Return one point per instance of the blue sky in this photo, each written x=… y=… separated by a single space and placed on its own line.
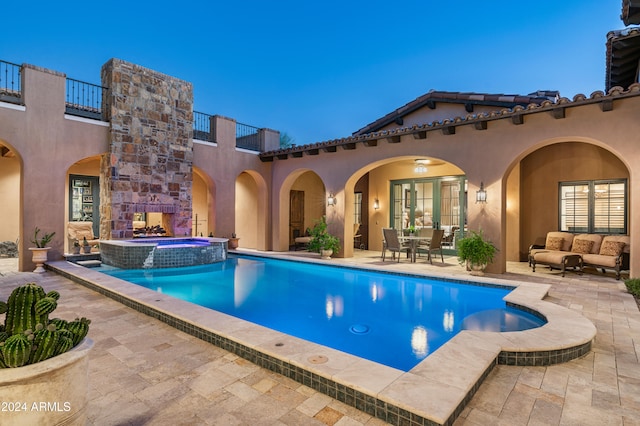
x=322 y=70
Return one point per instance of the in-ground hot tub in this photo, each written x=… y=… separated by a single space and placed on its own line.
x=163 y=252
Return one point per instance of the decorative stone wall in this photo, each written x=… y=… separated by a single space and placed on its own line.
x=150 y=164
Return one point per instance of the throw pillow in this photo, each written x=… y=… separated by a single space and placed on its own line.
x=554 y=243
x=582 y=246
x=612 y=248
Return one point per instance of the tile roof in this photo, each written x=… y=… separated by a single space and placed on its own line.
x=630 y=12
x=623 y=56
x=467 y=98
x=447 y=126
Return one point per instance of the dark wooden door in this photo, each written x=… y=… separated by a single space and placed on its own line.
x=296 y=213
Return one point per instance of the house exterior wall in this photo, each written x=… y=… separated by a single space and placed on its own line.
x=46 y=142
x=507 y=155
x=484 y=155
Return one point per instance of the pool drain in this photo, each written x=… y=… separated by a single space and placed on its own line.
x=359 y=329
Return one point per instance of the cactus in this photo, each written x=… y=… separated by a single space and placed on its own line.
x=21 y=313
x=64 y=344
x=79 y=327
x=44 y=344
x=60 y=323
x=28 y=336
x=16 y=350
x=54 y=294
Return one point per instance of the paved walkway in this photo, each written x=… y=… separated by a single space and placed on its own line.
x=143 y=372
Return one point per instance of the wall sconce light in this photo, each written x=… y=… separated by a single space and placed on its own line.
x=376 y=203
x=420 y=166
x=331 y=200
x=481 y=194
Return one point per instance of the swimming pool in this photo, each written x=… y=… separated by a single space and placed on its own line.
x=394 y=320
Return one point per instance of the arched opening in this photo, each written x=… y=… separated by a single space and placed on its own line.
x=203 y=202
x=83 y=202
x=251 y=210
x=537 y=189
x=10 y=217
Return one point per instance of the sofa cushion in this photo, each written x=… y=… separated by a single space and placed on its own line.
x=581 y=246
x=596 y=238
x=554 y=243
x=612 y=248
x=599 y=260
x=623 y=238
x=551 y=257
x=566 y=236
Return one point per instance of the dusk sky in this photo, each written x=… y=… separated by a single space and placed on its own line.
x=322 y=70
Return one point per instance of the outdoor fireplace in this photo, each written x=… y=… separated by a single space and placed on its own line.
x=148 y=173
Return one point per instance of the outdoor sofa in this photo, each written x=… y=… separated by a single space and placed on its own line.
x=563 y=250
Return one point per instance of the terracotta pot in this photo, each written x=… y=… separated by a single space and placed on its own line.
x=39 y=256
x=52 y=392
x=233 y=243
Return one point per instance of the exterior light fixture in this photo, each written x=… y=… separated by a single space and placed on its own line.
x=481 y=194
x=420 y=166
x=376 y=203
x=331 y=200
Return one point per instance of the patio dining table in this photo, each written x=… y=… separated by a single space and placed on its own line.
x=414 y=242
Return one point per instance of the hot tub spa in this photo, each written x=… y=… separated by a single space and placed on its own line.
x=163 y=252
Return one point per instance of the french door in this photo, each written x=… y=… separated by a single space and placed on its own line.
x=430 y=203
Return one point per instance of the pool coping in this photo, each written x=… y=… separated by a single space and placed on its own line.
x=432 y=393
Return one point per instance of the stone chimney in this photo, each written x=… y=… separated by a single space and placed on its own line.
x=149 y=166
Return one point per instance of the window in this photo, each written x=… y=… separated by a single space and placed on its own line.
x=597 y=206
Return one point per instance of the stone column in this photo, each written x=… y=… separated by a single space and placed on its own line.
x=150 y=165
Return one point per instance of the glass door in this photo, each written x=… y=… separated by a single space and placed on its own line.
x=427 y=204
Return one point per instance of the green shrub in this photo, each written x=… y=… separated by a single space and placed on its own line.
x=633 y=286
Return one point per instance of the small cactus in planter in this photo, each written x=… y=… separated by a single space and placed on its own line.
x=28 y=335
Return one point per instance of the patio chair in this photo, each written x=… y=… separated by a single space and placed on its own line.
x=357 y=237
x=392 y=243
x=435 y=245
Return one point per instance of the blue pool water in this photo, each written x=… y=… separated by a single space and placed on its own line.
x=394 y=320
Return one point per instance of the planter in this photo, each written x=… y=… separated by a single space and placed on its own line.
x=39 y=256
x=476 y=270
x=326 y=254
x=86 y=249
x=51 y=392
x=233 y=243
x=76 y=249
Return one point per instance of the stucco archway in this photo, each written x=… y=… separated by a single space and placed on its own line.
x=251 y=207
x=10 y=192
x=531 y=186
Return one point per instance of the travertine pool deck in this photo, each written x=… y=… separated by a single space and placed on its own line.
x=511 y=395
x=434 y=392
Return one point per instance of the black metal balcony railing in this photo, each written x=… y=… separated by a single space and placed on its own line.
x=247 y=137
x=202 y=126
x=10 y=82
x=84 y=99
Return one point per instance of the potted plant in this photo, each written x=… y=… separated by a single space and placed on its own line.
x=321 y=241
x=76 y=247
x=86 y=248
x=40 y=355
x=475 y=252
x=233 y=241
x=39 y=252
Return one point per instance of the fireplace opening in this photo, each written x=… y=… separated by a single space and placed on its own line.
x=153 y=224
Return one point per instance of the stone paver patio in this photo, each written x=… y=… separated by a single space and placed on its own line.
x=143 y=371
